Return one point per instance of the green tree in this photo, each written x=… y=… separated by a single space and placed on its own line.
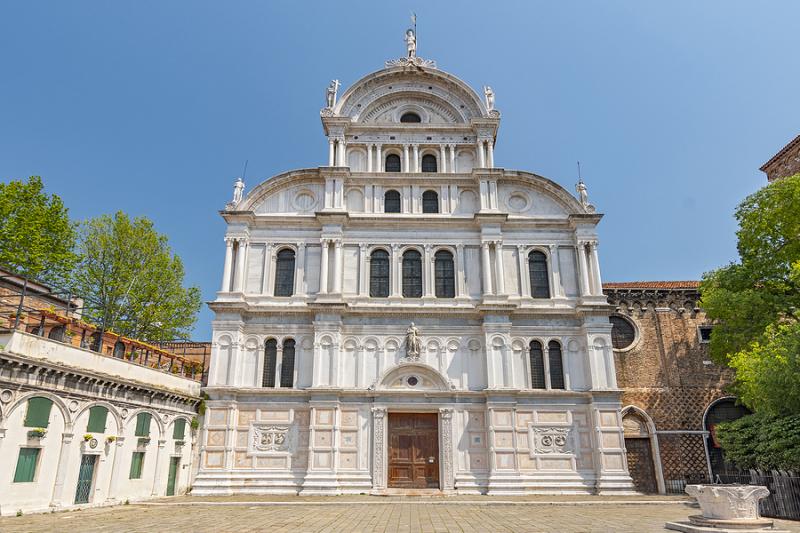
x=37 y=238
x=755 y=301
x=132 y=282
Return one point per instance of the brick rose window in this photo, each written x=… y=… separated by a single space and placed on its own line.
x=623 y=333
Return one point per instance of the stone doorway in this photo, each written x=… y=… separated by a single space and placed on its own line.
x=413 y=450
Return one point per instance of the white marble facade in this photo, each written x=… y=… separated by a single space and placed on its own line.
x=317 y=422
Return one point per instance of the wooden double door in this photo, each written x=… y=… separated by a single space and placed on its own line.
x=413 y=450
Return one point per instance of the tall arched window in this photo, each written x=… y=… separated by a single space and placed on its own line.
x=379 y=274
x=119 y=350
x=284 y=273
x=392 y=163
x=537 y=365
x=270 y=361
x=410 y=117
x=429 y=163
x=412 y=274
x=391 y=202
x=556 y=365
x=430 y=202
x=537 y=268
x=287 y=363
x=445 y=274
x=57 y=333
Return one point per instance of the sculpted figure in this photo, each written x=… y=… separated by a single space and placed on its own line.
x=580 y=187
x=330 y=94
x=413 y=342
x=489 y=97
x=238 y=188
x=411 y=43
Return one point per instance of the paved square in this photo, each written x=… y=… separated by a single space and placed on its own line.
x=368 y=514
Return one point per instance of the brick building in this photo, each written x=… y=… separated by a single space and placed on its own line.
x=785 y=163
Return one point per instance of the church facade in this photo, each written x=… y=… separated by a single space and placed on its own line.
x=412 y=315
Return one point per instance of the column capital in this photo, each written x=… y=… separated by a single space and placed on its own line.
x=338 y=243
x=378 y=412
x=363 y=246
x=446 y=413
x=395 y=247
x=229 y=241
x=428 y=248
x=485 y=244
x=300 y=245
x=521 y=247
x=459 y=246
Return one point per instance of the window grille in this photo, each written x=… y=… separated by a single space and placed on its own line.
x=430 y=202
x=284 y=273
x=391 y=202
x=287 y=363
x=429 y=163
x=537 y=365
x=270 y=361
x=556 y=365
x=392 y=163
x=540 y=282
x=379 y=274
x=445 y=274
x=412 y=274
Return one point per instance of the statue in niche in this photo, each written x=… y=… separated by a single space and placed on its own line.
x=411 y=43
x=330 y=94
x=413 y=342
x=583 y=194
x=489 y=93
x=238 y=189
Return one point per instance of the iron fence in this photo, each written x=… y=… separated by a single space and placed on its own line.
x=784 y=490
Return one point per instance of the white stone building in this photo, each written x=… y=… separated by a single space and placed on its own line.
x=411 y=315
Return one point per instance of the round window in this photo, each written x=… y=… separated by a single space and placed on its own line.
x=412 y=381
x=623 y=332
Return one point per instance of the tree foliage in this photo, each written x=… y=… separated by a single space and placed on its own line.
x=36 y=236
x=760 y=441
x=132 y=282
x=755 y=301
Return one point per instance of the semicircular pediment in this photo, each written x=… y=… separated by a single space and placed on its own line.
x=413 y=376
x=389 y=109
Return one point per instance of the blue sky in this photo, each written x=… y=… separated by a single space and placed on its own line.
x=152 y=107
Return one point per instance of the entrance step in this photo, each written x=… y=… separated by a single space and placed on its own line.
x=412 y=492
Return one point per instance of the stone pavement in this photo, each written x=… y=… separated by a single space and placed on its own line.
x=474 y=514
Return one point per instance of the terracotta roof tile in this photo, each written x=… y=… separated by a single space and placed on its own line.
x=652 y=285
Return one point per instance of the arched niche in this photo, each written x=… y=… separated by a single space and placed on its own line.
x=413 y=376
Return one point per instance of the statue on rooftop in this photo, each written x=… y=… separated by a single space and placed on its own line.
x=330 y=94
x=489 y=93
x=238 y=189
x=583 y=194
x=411 y=43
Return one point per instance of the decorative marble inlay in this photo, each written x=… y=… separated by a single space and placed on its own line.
x=551 y=440
x=269 y=438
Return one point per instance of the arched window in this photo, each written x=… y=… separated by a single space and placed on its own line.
x=392 y=163
x=537 y=268
x=94 y=342
x=412 y=274
x=287 y=363
x=119 y=350
x=97 y=419
x=379 y=274
x=57 y=333
x=410 y=117
x=445 y=274
x=429 y=163
x=724 y=410
x=537 y=365
x=270 y=361
x=284 y=273
x=556 y=365
x=391 y=202
x=430 y=202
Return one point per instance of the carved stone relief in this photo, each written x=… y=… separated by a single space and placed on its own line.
x=551 y=440
x=266 y=438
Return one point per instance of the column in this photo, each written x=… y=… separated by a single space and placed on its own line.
x=61 y=468
x=446 y=447
x=524 y=275
x=595 y=265
x=452 y=168
x=116 y=468
x=323 y=267
x=427 y=271
x=379 y=159
x=405 y=158
x=583 y=268
x=268 y=283
x=481 y=156
x=442 y=159
x=555 y=269
x=238 y=285
x=546 y=358
x=379 y=466
x=331 y=152
x=278 y=365
x=490 y=153
x=394 y=278
x=498 y=267
x=159 y=468
x=341 y=153
x=460 y=279
x=486 y=269
x=363 y=261
x=300 y=270
x=226 y=271
x=416 y=159
x=369 y=157
x=337 y=267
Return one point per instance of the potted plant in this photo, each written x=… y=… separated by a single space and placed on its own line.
x=111 y=438
x=37 y=433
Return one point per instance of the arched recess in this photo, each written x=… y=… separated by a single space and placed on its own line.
x=112 y=411
x=642 y=451
x=57 y=402
x=130 y=421
x=413 y=376
x=720 y=410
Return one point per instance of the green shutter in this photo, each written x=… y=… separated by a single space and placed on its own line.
x=137 y=461
x=38 y=415
x=180 y=429
x=26 y=465
x=97 y=419
x=143 y=425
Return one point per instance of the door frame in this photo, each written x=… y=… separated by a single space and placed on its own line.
x=380 y=444
x=177 y=473
x=92 y=487
x=652 y=435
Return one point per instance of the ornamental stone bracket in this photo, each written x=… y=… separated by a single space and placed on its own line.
x=550 y=440
x=268 y=438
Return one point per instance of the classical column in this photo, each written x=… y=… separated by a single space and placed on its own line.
x=394 y=277
x=442 y=159
x=555 y=270
x=379 y=159
x=369 y=157
x=379 y=466
x=498 y=267
x=595 y=262
x=278 y=364
x=486 y=269
x=267 y=284
x=300 y=269
x=405 y=158
x=331 y=152
x=546 y=360
x=116 y=468
x=452 y=167
x=524 y=275
x=481 y=156
x=157 y=473
x=490 y=153
x=446 y=433
x=363 y=260
x=460 y=280
x=226 y=271
x=584 y=269
x=416 y=159
x=323 y=267
x=337 y=267
x=238 y=285
x=341 y=153
x=61 y=468
x=427 y=270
